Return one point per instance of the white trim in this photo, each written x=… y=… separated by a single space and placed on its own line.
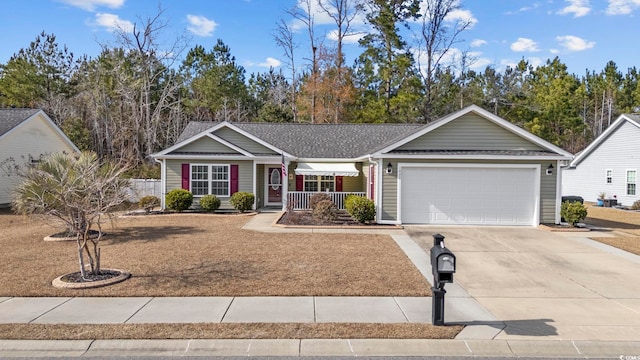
x=215 y=157
x=536 y=192
x=626 y=182
x=601 y=138
x=256 y=139
x=559 y=171
x=163 y=178
x=209 y=178
x=474 y=157
x=487 y=115
x=266 y=185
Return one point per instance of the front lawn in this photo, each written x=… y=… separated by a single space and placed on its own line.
x=209 y=255
x=624 y=224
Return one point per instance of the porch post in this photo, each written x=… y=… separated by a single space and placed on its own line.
x=285 y=186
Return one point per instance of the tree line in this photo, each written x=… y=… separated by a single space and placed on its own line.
x=135 y=97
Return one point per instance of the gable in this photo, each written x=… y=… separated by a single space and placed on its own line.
x=470 y=132
x=205 y=145
x=35 y=136
x=242 y=141
x=617 y=148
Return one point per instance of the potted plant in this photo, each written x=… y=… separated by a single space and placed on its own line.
x=601 y=197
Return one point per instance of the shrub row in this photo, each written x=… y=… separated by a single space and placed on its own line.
x=181 y=199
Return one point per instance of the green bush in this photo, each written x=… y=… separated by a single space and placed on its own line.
x=316 y=198
x=242 y=201
x=210 y=203
x=325 y=210
x=573 y=212
x=360 y=208
x=636 y=205
x=149 y=202
x=179 y=199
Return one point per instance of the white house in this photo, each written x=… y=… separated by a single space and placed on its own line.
x=25 y=135
x=609 y=165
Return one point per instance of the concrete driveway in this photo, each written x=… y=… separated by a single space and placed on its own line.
x=545 y=285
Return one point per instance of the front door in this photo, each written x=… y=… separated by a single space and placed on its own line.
x=274 y=185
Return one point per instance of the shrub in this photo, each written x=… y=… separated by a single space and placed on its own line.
x=149 y=202
x=325 y=210
x=179 y=199
x=242 y=201
x=360 y=208
x=573 y=212
x=317 y=198
x=636 y=205
x=210 y=203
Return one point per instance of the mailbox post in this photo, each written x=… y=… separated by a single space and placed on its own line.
x=443 y=266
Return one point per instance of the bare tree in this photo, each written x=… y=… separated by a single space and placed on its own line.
x=343 y=12
x=437 y=40
x=284 y=39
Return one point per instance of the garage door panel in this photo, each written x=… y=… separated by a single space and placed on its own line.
x=471 y=195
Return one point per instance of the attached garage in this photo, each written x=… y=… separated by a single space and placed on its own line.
x=469 y=194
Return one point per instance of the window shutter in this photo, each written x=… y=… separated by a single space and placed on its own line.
x=185 y=176
x=339 y=183
x=234 y=179
x=299 y=182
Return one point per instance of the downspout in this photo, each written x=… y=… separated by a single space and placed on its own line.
x=163 y=183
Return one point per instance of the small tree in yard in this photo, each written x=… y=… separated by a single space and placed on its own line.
x=573 y=212
x=78 y=190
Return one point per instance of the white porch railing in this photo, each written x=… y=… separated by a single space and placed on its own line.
x=299 y=200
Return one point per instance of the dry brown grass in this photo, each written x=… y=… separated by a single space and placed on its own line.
x=624 y=224
x=228 y=331
x=209 y=255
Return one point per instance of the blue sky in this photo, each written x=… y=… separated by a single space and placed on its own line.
x=584 y=34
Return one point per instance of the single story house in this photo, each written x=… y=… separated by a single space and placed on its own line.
x=26 y=135
x=470 y=167
x=609 y=165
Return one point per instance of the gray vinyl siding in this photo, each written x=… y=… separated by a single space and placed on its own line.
x=242 y=141
x=618 y=152
x=470 y=132
x=206 y=145
x=389 y=209
x=245 y=175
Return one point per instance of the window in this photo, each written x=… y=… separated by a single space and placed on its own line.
x=319 y=183
x=609 y=176
x=210 y=179
x=631 y=182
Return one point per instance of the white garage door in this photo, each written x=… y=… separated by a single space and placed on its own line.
x=468 y=195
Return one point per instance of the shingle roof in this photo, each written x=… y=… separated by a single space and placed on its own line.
x=319 y=141
x=10 y=118
x=476 y=152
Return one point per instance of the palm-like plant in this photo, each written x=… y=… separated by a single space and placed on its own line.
x=78 y=190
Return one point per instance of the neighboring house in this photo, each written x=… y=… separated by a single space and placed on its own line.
x=470 y=167
x=610 y=164
x=26 y=135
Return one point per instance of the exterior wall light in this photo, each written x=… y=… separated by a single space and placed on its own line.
x=389 y=168
x=550 y=169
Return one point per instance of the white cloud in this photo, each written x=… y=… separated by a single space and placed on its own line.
x=91 y=5
x=574 y=43
x=200 y=25
x=478 y=43
x=462 y=15
x=622 y=7
x=524 y=45
x=578 y=8
x=270 y=62
x=111 y=22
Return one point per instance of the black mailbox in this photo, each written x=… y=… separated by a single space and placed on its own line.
x=443 y=263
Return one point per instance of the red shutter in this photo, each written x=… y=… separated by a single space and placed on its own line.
x=234 y=179
x=339 y=183
x=299 y=182
x=185 y=176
